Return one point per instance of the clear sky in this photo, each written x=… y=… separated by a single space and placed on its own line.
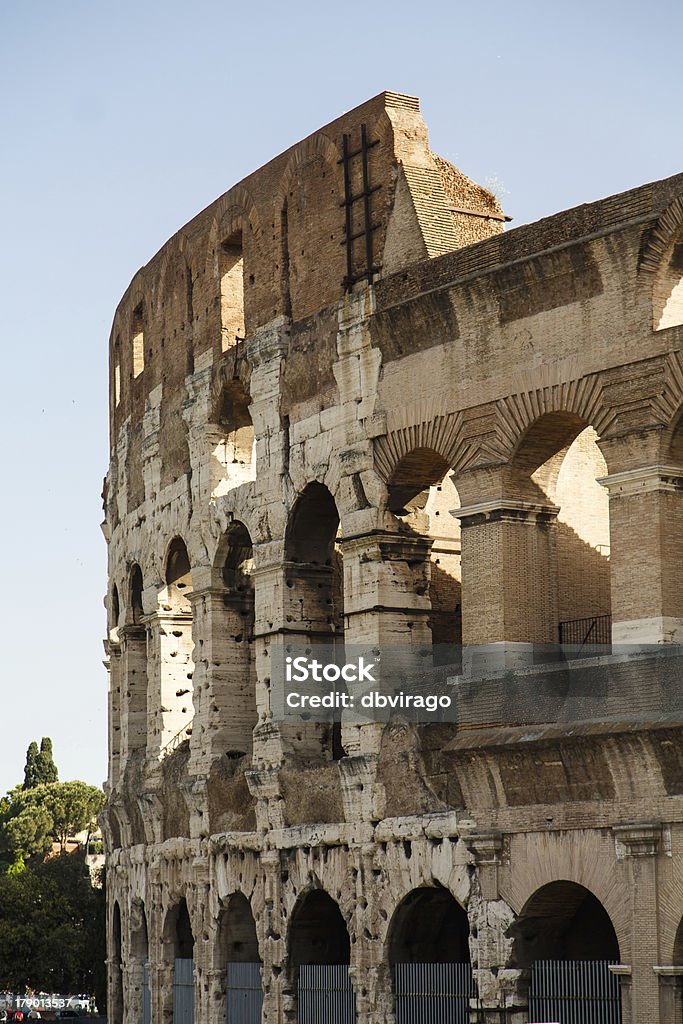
x=120 y=120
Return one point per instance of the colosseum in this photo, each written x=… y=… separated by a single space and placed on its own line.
x=348 y=408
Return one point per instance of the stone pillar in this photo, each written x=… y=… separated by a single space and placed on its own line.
x=623 y=973
x=133 y=988
x=509 y=572
x=114 y=989
x=386 y=603
x=637 y=846
x=134 y=689
x=224 y=692
x=113 y=665
x=646 y=541
x=170 y=672
x=670 y=994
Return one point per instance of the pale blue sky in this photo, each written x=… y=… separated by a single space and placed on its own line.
x=119 y=121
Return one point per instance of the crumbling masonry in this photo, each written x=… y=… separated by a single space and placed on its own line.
x=346 y=406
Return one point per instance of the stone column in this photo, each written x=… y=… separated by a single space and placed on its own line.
x=224 y=692
x=646 y=540
x=134 y=689
x=386 y=603
x=509 y=575
x=133 y=981
x=113 y=665
x=170 y=672
x=637 y=846
x=670 y=994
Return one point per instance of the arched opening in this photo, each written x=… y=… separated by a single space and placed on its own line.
x=134 y=667
x=177 y=645
x=136 y=588
x=429 y=958
x=179 y=943
x=231 y=274
x=234 y=663
x=667 y=295
x=139 y=949
x=234 y=457
x=238 y=956
x=138 y=339
x=422 y=497
x=554 y=530
x=116 y=972
x=314 y=598
x=115 y=608
x=319 y=957
x=565 y=936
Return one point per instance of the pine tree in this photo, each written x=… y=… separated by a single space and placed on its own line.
x=46 y=769
x=31 y=766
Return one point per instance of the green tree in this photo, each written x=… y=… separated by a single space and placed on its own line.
x=74 y=807
x=46 y=769
x=31 y=819
x=31 y=768
x=51 y=927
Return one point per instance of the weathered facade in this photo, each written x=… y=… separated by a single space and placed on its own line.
x=345 y=406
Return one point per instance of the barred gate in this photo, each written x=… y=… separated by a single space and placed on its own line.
x=325 y=994
x=433 y=993
x=146 y=996
x=183 y=991
x=574 y=992
x=244 y=1002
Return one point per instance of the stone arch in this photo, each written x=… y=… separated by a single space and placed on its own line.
x=661 y=267
x=232 y=435
x=428 y=926
x=236 y=938
x=440 y=435
x=422 y=497
x=136 y=588
x=563 y=920
x=314 y=595
x=317 y=932
x=114 y=607
x=176 y=646
x=232 y=638
x=177 y=934
x=134 y=667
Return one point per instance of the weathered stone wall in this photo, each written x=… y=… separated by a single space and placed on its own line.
x=476 y=437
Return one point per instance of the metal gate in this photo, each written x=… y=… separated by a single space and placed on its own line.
x=326 y=994
x=244 y=988
x=146 y=996
x=183 y=991
x=574 y=992
x=433 y=993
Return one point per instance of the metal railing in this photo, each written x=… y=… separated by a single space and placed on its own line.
x=325 y=995
x=574 y=992
x=580 y=633
x=433 y=993
x=244 y=993
x=183 y=991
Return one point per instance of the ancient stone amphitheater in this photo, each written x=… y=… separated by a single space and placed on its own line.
x=348 y=408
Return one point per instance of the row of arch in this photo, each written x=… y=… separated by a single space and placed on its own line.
x=556 y=468
x=562 y=921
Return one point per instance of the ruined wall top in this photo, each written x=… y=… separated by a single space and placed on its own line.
x=305 y=227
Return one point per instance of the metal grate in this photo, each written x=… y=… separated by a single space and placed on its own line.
x=433 y=993
x=183 y=991
x=368 y=268
x=596 y=629
x=325 y=994
x=574 y=992
x=244 y=1002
